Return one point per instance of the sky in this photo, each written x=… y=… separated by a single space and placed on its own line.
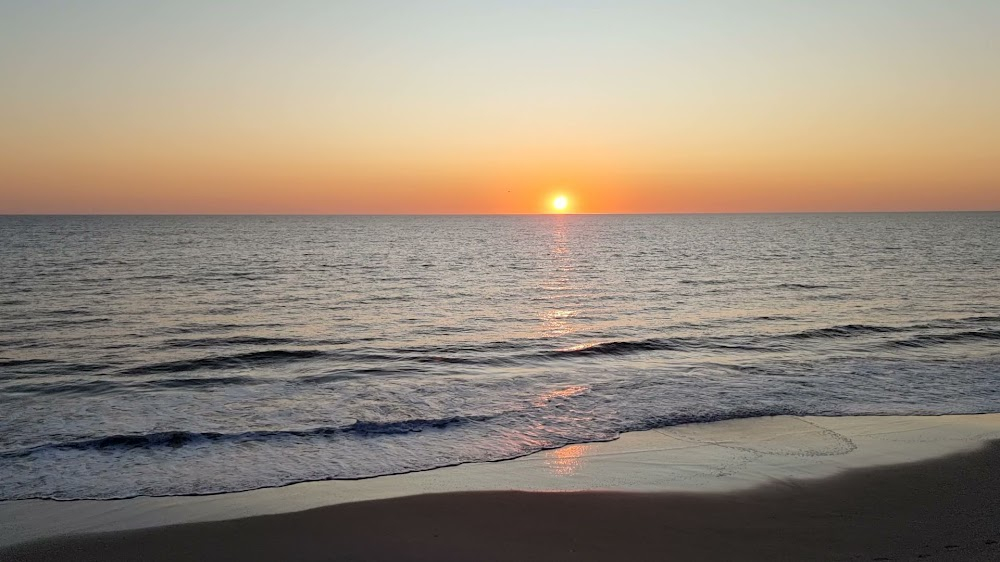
x=499 y=106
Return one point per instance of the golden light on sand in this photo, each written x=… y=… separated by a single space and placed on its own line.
x=564 y=461
x=560 y=203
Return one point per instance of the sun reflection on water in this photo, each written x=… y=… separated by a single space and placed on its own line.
x=561 y=393
x=556 y=322
x=558 y=287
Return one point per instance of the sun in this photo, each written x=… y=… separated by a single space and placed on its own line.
x=560 y=203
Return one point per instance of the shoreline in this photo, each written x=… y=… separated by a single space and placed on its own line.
x=941 y=509
x=728 y=457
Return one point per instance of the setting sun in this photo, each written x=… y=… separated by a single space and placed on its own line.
x=560 y=203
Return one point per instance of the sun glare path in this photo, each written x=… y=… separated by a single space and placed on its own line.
x=560 y=203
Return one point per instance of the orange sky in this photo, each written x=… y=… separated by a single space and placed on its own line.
x=495 y=107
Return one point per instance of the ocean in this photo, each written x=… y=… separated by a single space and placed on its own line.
x=169 y=355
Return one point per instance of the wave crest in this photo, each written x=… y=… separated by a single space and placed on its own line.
x=179 y=438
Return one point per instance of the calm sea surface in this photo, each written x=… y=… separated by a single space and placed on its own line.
x=188 y=355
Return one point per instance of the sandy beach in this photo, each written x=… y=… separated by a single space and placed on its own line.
x=857 y=488
x=942 y=509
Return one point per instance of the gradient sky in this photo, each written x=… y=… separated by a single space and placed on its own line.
x=492 y=106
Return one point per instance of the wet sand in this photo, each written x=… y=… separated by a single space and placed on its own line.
x=940 y=509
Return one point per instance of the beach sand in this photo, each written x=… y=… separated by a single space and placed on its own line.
x=941 y=509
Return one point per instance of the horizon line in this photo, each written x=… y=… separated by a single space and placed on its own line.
x=877 y=212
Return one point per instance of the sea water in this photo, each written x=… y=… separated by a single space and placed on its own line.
x=162 y=355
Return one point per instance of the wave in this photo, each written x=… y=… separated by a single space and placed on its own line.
x=29 y=369
x=209 y=328
x=618 y=348
x=844 y=331
x=234 y=340
x=801 y=286
x=67 y=311
x=652 y=344
x=80 y=387
x=25 y=362
x=348 y=374
x=709 y=417
x=762 y=342
x=927 y=340
x=707 y=281
x=251 y=359
x=971 y=322
x=199 y=382
x=982 y=319
x=180 y=438
x=74 y=321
